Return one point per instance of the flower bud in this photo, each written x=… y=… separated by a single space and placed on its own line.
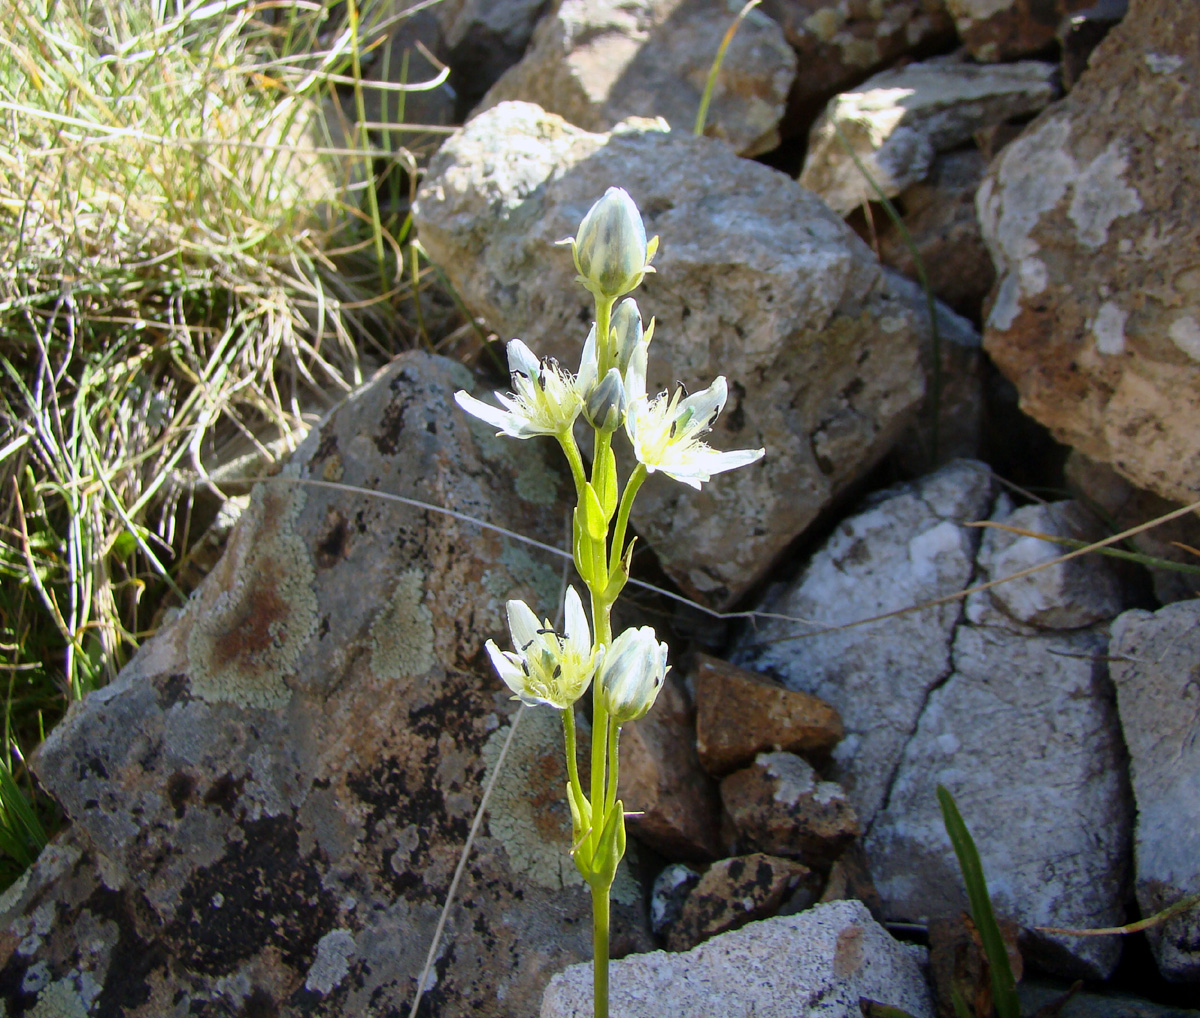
x=611 y=254
x=605 y=407
x=627 y=331
x=632 y=673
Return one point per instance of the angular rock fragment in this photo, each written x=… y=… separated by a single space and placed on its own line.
x=1156 y=669
x=898 y=121
x=484 y=38
x=733 y=892
x=779 y=805
x=661 y=779
x=817 y=964
x=1003 y=29
x=595 y=64
x=756 y=280
x=268 y=804
x=907 y=548
x=1093 y=220
x=740 y=713
x=670 y=891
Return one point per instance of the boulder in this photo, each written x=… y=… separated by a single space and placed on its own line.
x=756 y=280
x=907 y=548
x=268 y=804
x=483 y=39
x=1003 y=29
x=1156 y=668
x=817 y=964
x=595 y=64
x=898 y=121
x=1092 y=219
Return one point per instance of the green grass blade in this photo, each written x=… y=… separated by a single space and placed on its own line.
x=1004 y=994
x=710 y=84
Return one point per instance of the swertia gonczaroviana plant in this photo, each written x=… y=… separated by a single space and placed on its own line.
x=612 y=257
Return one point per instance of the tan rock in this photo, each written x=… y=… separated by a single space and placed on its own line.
x=661 y=778
x=732 y=893
x=1004 y=29
x=597 y=63
x=1093 y=220
x=740 y=713
x=780 y=806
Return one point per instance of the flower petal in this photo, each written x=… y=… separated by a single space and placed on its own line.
x=522 y=624
x=578 y=633
x=522 y=360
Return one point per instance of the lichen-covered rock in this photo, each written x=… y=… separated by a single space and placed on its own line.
x=1024 y=735
x=1004 y=29
x=678 y=811
x=898 y=121
x=733 y=892
x=740 y=713
x=268 y=804
x=595 y=64
x=907 y=548
x=817 y=964
x=1093 y=220
x=838 y=43
x=756 y=280
x=780 y=805
x=1156 y=668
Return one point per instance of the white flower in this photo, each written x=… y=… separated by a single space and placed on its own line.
x=545 y=399
x=610 y=249
x=546 y=668
x=632 y=673
x=665 y=431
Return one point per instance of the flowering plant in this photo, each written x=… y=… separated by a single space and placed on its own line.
x=666 y=433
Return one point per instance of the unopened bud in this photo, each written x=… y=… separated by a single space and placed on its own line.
x=627 y=331
x=605 y=407
x=610 y=248
x=632 y=673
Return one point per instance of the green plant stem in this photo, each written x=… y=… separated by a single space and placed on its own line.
x=600 y=920
x=618 y=541
x=569 y=741
x=571 y=451
x=613 y=738
x=604 y=357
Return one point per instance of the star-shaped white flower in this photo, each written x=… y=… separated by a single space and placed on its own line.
x=547 y=668
x=666 y=431
x=545 y=399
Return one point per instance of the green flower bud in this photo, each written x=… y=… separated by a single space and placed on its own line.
x=605 y=406
x=610 y=249
x=631 y=674
x=627 y=331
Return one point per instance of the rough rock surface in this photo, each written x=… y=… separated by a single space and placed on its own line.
x=756 y=280
x=484 y=38
x=1093 y=220
x=780 y=805
x=816 y=964
x=940 y=217
x=740 y=713
x=838 y=43
x=732 y=893
x=1156 y=669
x=1070 y=595
x=907 y=548
x=595 y=64
x=898 y=121
x=1024 y=734
x=268 y=804
x=661 y=778
x=1004 y=29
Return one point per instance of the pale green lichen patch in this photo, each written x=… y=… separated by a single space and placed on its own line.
x=534 y=481
x=246 y=641
x=58 y=1000
x=522 y=569
x=402 y=633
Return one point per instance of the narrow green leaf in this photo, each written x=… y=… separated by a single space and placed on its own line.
x=582 y=555
x=604 y=475
x=593 y=514
x=1003 y=985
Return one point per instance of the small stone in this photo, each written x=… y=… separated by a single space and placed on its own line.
x=1003 y=29
x=817 y=964
x=1156 y=668
x=732 y=893
x=780 y=806
x=667 y=895
x=740 y=713
x=661 y=779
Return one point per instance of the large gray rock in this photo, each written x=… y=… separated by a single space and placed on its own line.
x=1156 y=669
x=1093 y=220
x=756 y=280
x=597 y=63
x=1024 y=735
x=909 y=547
x=898 y=121
x=268 y=804
x=816 y=964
